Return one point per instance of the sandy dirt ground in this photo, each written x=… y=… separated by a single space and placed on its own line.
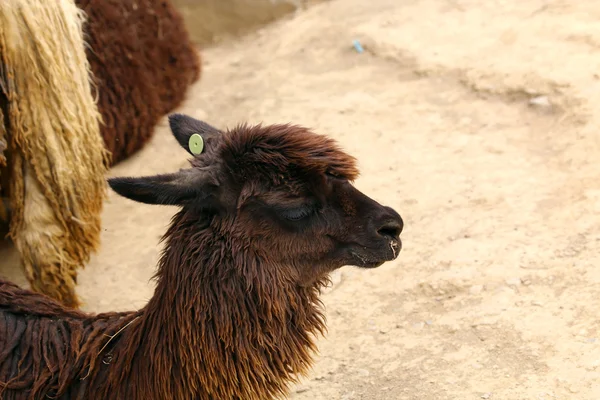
x=211 y=21
x=478 y=121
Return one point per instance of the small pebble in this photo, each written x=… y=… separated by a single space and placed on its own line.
x=540 y=101
x=573 y=389
x=418 y=325
x=476 y=289
x=348 y=396
x=513 y=281
x=531 y=91
x=486 y=395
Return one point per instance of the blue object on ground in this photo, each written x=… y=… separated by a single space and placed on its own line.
x=357 y=46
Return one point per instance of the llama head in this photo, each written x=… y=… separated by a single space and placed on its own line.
x=282 y=190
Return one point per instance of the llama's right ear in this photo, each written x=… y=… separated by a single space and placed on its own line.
x=183 y=127
x=183 y=187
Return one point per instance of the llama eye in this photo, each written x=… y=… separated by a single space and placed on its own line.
x=335 y=176
x=295 y=214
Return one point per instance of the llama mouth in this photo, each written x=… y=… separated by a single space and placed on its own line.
x=396 y=247
x=376 y=258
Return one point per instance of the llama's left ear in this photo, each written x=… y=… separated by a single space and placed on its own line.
x=179 y=188
x=185 y=128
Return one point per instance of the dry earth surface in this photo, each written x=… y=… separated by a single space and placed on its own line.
x=211 y=21
x=478 y=121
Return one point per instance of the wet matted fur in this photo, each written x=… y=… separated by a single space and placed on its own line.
x=57 y=158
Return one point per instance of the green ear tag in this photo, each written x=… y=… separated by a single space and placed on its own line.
x=196 y=144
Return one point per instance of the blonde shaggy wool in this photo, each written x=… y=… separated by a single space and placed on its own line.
x=56 y=156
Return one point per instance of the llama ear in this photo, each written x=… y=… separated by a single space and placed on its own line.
x=179 y=188
x=185 y=128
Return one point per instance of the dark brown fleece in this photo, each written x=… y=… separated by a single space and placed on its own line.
x=143 y=63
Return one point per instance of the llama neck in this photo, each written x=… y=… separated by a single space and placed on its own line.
x=226 y=323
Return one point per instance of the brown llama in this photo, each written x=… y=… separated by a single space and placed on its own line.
x=265 y=214
x=142 y=62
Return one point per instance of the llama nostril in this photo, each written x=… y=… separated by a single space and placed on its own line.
x=390 y=229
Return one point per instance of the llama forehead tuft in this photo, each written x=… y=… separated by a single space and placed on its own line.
x=285 y=147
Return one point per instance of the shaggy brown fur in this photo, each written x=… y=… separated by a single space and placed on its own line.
x=266 y=213
x=57 y=159
x=143 y=63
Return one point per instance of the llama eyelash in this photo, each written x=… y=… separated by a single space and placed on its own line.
x=296 y=214
x=334 y=175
